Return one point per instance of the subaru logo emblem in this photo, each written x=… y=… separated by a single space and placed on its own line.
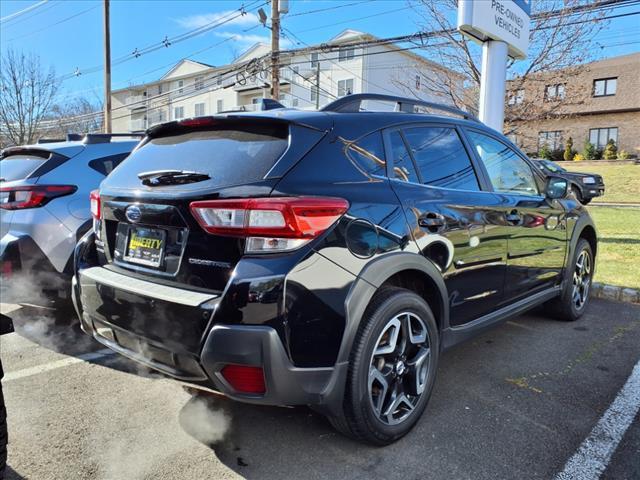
x=133 y=213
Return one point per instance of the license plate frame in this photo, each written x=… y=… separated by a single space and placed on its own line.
x=145 y=255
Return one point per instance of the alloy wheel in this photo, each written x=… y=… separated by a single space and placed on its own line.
x=581 y=280
x=398 y=368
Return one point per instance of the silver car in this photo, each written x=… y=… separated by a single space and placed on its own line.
x=45 y=209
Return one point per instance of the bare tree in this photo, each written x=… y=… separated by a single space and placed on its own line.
x=78 y=115
x=561 y=35
x=27 y=91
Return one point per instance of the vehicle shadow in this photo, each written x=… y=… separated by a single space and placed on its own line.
x=40 y=326
x=11 y=474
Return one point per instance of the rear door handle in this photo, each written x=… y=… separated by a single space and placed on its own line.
x=432 y=221
x=513 y=217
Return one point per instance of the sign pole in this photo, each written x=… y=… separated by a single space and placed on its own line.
x=493 y=83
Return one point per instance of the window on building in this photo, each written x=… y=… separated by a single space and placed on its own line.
x=220 y=106
x=294 y=102
x=199 y=109
x=219 y=80
x=554 y=92
x=346 y=53
x=417 y=82
x=553 y=140
x=199 y=83
x=507 y=171
x=605 y=87
x=516 y=97
x=441 y=158
x=180 y=85
x=159 y=88
x=600 y=136
x=314 y=60
x=368 y=154
x=345 y=87
x=178 y=113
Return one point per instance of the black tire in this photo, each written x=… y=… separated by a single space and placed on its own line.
x=408 y=369
x=587 y=201
x=566 y=306
x=577 y=193
x=4 y=436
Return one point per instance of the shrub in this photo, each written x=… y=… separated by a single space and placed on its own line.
x=544 y=152
x=589 y=151
x=623 y=155
x=557 y=155
x=578 y=157
x=568 y=149
x=598 y=154
x=610 y=150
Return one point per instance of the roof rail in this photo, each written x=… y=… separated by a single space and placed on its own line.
x=93 y=138
x=352 y=103
x=50 y=140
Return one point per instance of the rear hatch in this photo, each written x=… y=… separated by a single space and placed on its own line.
x=148 y=229
x=22 y=167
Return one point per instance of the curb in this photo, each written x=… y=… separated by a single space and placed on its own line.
x=613 y=292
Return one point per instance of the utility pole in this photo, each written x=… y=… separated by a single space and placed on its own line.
x=275 y=47
x=107 y=70
x=318 y=85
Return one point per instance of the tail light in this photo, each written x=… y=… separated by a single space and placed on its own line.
x=270 y=224
x=32 y=196
x=94 y=198
x=244 y=378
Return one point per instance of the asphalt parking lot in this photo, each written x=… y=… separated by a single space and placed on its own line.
x=516 y=402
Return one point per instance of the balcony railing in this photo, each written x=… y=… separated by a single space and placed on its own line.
x=136 y=101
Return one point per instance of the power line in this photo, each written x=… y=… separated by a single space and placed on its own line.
x=167 y=42
x=53 y=24
x=23 y=11
x=12 y=22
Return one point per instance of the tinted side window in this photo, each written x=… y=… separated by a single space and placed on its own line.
x=403 y=167
x=17 y=167
x=105 y=165
x=441 y=158
x=368 y=153
x=507 y=171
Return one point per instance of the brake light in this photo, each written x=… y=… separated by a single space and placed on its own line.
x=270 y=224
x=32 y=196
x=244 y=379
x=199 y=122
x=94 y=198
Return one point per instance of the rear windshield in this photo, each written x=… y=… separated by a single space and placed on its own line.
x=229 y=155
x=17 y=167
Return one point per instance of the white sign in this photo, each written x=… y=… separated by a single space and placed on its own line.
x=504 y=20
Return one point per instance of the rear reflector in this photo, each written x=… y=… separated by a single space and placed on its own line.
x=32 y=196
x=94 y=198
x=245 y=379
x=270 y=224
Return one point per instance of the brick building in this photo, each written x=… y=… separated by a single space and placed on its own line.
x=596 y=102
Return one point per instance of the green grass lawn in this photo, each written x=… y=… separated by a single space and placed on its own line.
x=618 y=258
x=622 y=182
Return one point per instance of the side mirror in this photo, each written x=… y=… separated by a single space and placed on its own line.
x=6 y=325
x=557 y=187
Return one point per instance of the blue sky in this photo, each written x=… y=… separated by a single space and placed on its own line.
x=68 y=33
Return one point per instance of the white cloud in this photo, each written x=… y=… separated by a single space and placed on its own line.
x=197 y=21
x=251 y=39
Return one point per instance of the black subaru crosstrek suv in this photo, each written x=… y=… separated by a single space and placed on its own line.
x=325 y=258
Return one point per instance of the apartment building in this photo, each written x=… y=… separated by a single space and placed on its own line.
x=307 y=81
x=597 y=102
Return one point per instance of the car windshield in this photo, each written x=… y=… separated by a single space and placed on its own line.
x=553 y=167
x=17 y=167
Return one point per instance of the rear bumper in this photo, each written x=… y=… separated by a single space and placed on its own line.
x=197 y=361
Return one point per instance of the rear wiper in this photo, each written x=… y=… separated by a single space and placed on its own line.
x=171 y=177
